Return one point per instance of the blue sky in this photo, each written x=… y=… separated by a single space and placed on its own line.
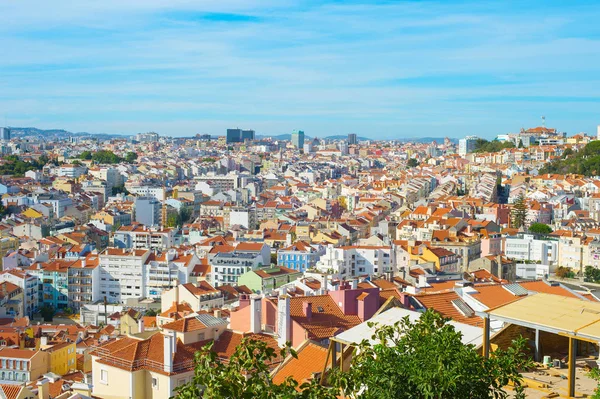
x=384 y=69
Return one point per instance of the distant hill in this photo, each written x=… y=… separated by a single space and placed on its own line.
x=49 y=134
x=55 y=133
x=344 y=137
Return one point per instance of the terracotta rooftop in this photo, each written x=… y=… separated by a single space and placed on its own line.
x=311 y=357
x=327 y=318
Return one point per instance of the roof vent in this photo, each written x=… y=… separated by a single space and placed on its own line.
x=462 y=307
x=515 y=289
x=320 y=309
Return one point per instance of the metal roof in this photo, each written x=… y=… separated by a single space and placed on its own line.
x=552 y=313
x=209 y=320
x=515 y=289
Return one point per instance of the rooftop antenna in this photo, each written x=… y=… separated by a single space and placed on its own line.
x=543 y=121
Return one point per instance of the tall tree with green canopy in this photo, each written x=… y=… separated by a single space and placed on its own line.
x=519 y=212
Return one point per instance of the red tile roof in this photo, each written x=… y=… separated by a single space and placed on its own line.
x=311 y=358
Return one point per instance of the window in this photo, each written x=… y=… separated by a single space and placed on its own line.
x=154 y=383
x=104 y=376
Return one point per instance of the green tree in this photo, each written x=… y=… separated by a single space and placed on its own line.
x=567 y=152
x=106 y=157
x=119 y=189
x=519 y=212
x=86 y=155
x=47 y=313
x=591 y=274
x=150 y=313
x=595 y=375
x=520 y=144
x=427 y=359
x=412 y=163
x=564 y=272
x=540 y=228
x=185 y=214
x=131 y=157
x=173 y=220
x=245 y=375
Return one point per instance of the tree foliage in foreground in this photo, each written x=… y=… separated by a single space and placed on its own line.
x=427 y=359
x=246 y=375
x=424 y=360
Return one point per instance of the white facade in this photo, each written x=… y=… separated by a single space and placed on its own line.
x=530 y=248
x=167 y=272
x=532 y=271
x=243 y=217
x=147 y=191
x=466 y=145
x=122 y=274
x=29 y=284
x=228 y=267
x=352 y=261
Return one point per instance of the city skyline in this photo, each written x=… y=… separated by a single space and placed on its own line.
x=424 y=69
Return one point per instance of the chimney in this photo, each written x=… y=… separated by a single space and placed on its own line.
x=141 y=324
x=499 y=263
x=43 y=341
x=217 y=313
x=244 y=301
x=307 y=310
x=284 y=321
x=255 y=314
x=353 y=284
x=176 y=288
x=405 y=299
x=82 y=388
x=43 y=389
x=324 y=284
x=168 y=350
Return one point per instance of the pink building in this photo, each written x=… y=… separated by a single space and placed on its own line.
x=296 y=319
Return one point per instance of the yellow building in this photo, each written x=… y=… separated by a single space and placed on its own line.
x=32 y=214
x=333 y=237
x=443 y=259
x=16 y=392
x=62 y=356
x=8 y=243
x=131 y=368
x=130 y=322
x=66 y=185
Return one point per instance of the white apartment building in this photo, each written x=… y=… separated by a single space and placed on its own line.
x=142 y=237
x=147 y=191
x=357 y=260
x=30 y=286
x=122 y=274
x=228 y=267
x=166 y=270
x=466 y=145
x=527 y=247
